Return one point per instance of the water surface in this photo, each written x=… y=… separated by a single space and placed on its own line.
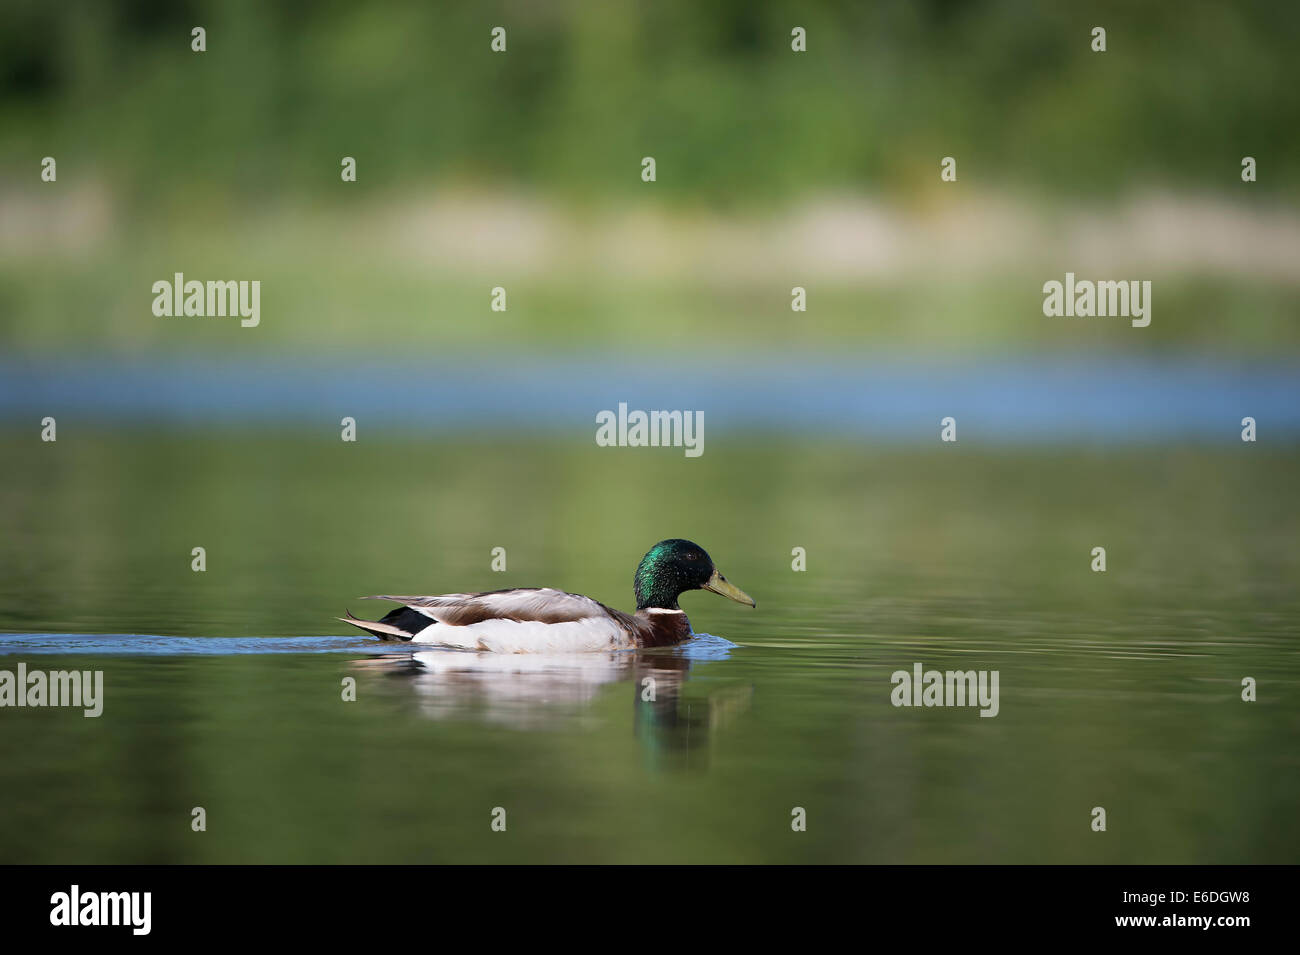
x=225 y=689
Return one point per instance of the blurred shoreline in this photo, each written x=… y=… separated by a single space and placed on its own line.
x=962 y=277
x=845 y=237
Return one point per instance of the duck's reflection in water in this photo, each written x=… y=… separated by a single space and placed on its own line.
x=543 y=690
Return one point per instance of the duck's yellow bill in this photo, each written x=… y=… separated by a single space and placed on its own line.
x=720 y=585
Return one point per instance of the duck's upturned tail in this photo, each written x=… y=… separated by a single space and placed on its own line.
x=400 y=624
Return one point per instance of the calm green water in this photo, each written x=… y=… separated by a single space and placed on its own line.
x=1119 y=690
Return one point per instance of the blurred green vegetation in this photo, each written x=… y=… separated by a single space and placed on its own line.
x=226 y=164
x=711 y=90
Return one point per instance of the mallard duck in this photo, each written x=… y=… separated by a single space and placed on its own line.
x=532 y=619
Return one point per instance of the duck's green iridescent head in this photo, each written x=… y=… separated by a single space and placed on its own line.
x=675 y=566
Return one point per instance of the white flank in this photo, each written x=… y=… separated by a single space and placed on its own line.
x=529 y=636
